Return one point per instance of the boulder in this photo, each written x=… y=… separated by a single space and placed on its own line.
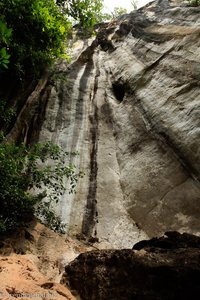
x=162 y=269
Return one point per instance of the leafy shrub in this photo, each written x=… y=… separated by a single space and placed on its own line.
x=6 y=114
x=86 y=12
x=26 y=180
x=118 y=11
x=5 y=36
x=38 y=31
x=194 y=2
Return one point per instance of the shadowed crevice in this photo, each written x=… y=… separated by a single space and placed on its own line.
x=119 y=91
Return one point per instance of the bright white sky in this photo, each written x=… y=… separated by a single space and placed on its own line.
x=110 y=4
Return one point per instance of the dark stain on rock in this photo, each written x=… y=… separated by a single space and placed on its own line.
x=37 y=120
x=80 y=102
x=90 y=214
x=89 y=220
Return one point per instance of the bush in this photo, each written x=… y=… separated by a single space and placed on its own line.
x=26 y=180
x=194 y=2
x=39 y=29
x=5 y=36
x=84 y=12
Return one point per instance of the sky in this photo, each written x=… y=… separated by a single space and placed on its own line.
x=110 y=4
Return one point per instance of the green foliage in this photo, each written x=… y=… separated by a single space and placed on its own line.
x=26 y=179
x=194 y=2
x=38 y=31
x=6 y=114
x=5 y=32
x=5 y=36
x=118 y=11
x=86 y=12
x=4 y=58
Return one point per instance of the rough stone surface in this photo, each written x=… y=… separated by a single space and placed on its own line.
x=130 y=104
x=21 y=279
x=165 y=268
x=32 y=262
x=49 y=251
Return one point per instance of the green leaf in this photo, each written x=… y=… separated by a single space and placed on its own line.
x=19 y=176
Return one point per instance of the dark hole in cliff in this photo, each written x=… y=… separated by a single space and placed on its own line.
x=119 y=91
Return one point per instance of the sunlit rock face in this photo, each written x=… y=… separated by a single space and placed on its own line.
x=130 y=105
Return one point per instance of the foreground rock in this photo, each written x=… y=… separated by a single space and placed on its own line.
x=166 y=268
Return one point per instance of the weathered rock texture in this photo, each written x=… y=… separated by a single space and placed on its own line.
x=21 y=279
x=32 y=262
x=49 y=251
x=130 y=104
x=163 y=269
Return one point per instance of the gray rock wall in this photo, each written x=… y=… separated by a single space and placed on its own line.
x=130 y=105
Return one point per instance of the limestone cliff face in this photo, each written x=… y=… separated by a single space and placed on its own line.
x=130 y=105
